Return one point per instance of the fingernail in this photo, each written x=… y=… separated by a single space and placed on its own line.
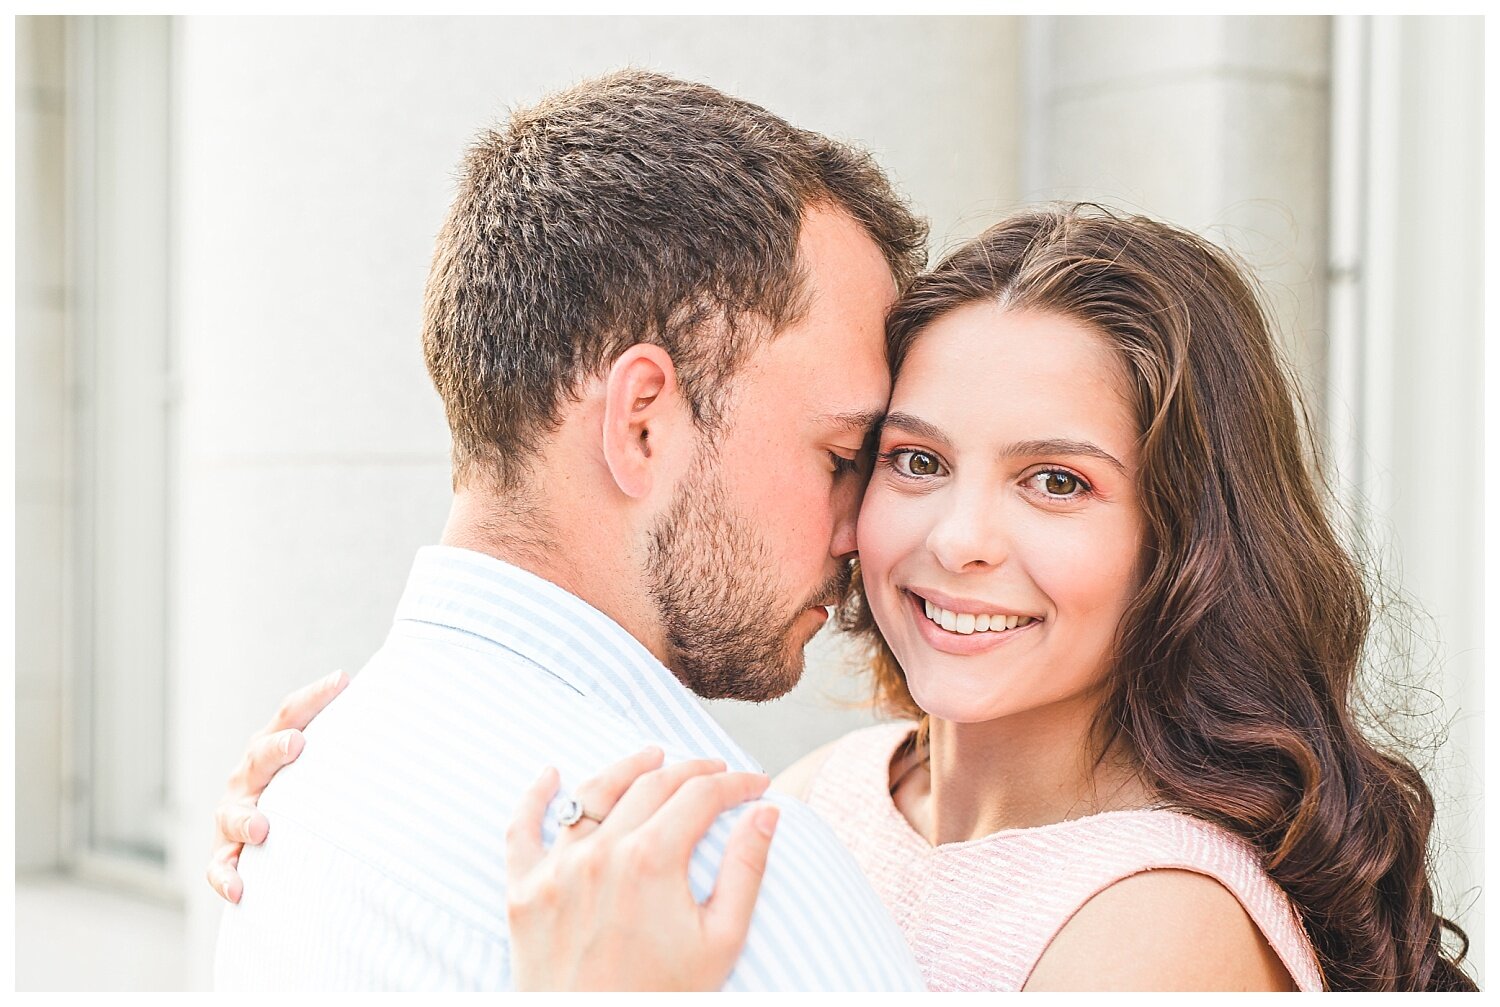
x=286 y=742
x=332 y=680
x=765 y=819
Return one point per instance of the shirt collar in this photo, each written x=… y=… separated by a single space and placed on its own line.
x=566 y=637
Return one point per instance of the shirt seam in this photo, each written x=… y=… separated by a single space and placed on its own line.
x=464 y=645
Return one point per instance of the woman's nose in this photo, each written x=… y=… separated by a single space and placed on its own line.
x=969 y=534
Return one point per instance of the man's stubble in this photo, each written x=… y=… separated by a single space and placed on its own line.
x=711 y=576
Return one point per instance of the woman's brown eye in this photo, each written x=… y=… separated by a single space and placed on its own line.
x=922 y=464
x=1061 y=484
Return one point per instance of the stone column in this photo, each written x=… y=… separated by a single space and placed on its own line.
x=42 y=482
x=1219 y=124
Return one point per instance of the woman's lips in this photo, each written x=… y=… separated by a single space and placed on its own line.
x=957 y=643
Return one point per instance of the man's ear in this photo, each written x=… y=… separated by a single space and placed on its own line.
x=640 y=402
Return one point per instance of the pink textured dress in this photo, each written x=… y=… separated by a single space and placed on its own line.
x=979 y=914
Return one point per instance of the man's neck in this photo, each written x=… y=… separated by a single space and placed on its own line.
x=510 y=530
x=527 y=535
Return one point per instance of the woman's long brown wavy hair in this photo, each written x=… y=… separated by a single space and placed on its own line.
x=1235 y=665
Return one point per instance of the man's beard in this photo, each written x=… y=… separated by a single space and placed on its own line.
x=711 y=577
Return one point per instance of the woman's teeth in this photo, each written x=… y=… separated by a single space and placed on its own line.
x=965 y=623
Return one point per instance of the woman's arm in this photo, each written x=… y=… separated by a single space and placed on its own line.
x=1161 y=930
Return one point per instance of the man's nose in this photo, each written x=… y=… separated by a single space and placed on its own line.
x=846 y=501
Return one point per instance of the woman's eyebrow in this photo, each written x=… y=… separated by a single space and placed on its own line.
x=1062 y=446
x=907 y=423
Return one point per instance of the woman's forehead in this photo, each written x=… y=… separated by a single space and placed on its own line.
x=989 y=360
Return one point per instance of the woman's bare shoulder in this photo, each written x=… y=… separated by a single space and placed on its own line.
x=1161 y=930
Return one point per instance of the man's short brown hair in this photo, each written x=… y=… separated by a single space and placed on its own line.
x=631 y=208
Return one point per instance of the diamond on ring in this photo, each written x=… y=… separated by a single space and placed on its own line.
x=570 y=812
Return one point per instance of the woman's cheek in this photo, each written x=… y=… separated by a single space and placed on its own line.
x=1088 y=570
x=887 y=536
x=876 y=532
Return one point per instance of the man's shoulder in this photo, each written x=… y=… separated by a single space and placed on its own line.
x=423 y=701
x=384 y=834
x=418 y=764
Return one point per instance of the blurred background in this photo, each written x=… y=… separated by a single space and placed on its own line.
x=228 y=449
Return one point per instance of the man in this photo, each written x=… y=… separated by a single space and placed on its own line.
x=655 y=317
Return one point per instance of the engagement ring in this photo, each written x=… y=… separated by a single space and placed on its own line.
x=570 y=813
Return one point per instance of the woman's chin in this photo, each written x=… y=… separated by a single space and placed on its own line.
x=943 y=702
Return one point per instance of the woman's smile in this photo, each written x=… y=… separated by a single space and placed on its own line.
x=968 y=627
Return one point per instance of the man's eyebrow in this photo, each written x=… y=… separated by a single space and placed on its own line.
x=909 y=424
x=858 y=421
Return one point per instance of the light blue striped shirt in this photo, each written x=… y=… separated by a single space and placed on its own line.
x=384 y=868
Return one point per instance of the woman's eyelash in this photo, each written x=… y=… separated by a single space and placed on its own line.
x=888 y=459
x=1084 y=486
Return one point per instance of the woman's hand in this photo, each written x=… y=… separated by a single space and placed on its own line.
x=609 y=907
x=236 y=820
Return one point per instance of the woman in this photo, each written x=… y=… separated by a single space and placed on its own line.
x=1097 y=572
x=1090 y=441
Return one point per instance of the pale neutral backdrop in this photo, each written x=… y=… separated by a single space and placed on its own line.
x=228 y=448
